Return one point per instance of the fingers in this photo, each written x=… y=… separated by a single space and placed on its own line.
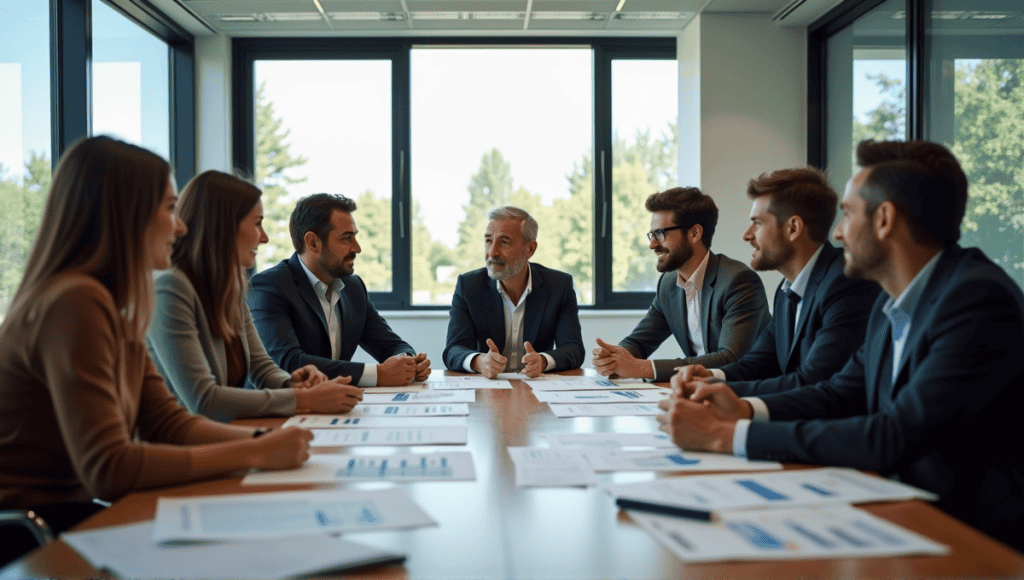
x=608 y=347
x=492 y=347
x=342 y=380
x=706 y=392
x=665 y=404
x=529 y=348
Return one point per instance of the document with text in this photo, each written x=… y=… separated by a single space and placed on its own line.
x=416 y=410
x=470 y=382
x=430 y=396
x=610 y=441
x=323 y=468
x=837 y=531
x=616 y=396
x=582 y=384
x=605 y=410
x=337 y=422
x=603 y=461
x=800 y=487
x=384 y=436
x=543 y=467
x=277 y=515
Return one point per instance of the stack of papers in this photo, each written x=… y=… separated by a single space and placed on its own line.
x=541 y=467
x=610 y=441
x=469 y=382
x=389 y=436
x=557 y=383
x=604 y=396
x=605 y=410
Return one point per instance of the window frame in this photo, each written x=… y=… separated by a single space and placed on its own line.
x=246 y=51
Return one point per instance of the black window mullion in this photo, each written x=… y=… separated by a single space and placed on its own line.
x=70 y=61
x=183 y=112
x=400 y=296
x=602 y=177
x=916 y=67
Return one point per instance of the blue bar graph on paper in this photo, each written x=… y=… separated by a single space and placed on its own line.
x=401 y=397
x=390 y=410
x=628 y=394
x=768 y=494
x=853 y=540
x=680 y=460
x=818 y=490
x=816 y=538
x=757 y=536
x=877 y=533
x=334 y=421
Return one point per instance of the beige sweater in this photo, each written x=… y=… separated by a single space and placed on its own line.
x=83 y=414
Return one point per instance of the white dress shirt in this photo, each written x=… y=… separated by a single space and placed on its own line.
x=691 y=290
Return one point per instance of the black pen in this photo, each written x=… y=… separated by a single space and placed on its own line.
x=665 y=510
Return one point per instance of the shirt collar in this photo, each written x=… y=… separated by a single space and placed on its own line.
x=697 y=278
x=799 y=285
x=336 y=287
x=907 y=301
x=529 y=286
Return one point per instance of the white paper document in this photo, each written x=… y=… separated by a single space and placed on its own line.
x=610 y=441
x=413 y=388
x=129 y=552
x=431 y=396
x=279 y=515
x=799 y=487
x=837 y=531
x=616 y=396
x=447 y=466
x=604 y=461
x=542 y=467
x=395 y=436
x=581 y=384
x=470 y=382
x=605 y=410
x=333 y=422
x=417 y=410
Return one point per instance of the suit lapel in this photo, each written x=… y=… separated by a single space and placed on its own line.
x=707 y=291
x=807 y=301
x=878 y=370
x=925 y=305
x=534 y=307
x=306 y=290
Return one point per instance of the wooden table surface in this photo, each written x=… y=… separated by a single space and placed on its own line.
x=489 y=528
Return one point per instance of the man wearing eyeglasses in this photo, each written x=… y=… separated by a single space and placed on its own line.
x=509 y=316
x=820 y=315
x=714 y=306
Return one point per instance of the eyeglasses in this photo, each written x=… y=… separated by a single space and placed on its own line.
x=660 y=234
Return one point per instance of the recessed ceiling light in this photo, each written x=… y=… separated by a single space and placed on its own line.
x=653 y=15
x=989 y=16
x=292 y=16
x=388 y=16
x=563 y=15
x=482 y=15
x=239 y=18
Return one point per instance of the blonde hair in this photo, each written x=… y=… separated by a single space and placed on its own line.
x=101 y=201
x=213 y=205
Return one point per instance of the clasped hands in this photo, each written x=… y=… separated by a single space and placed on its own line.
x=315 y=393
x=403 y=369
x=701 y=411
x=614 y=360
x=491 y=363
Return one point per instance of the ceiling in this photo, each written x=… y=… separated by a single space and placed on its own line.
x=254 y=18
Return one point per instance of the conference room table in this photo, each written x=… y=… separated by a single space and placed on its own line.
x=490 y=528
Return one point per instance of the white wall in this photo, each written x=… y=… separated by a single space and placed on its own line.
x=742 y=111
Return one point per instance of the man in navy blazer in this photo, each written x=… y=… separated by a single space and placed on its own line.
x=513 y=315
x=713 y=305
x=820 y=315
x=312 y=308
x=934 y=395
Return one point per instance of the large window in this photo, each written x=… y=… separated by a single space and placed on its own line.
x=130 y=82
x=25 y=156
x=427 y=137
x=950 y=71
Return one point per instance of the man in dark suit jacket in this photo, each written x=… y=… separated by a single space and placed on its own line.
x=312 y=308
x=820 y=315
x=713 y=305
x=934 y=394
x=511 y=315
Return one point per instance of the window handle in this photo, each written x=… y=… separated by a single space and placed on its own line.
x=607 y=200
x=401 y=194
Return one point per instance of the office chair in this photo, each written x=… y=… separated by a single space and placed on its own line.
x=34 y=532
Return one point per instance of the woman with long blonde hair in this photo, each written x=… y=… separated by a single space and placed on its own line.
x=202 y=338
x=83 y=413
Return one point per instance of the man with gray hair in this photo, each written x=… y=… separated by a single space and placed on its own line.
x=509 y=316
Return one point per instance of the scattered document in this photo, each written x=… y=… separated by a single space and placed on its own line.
x=604 y=461
x=413 y=388
x=605 y=410
x=837 y=531
x=452 y=466
x=397 y=436
x=582 y=384
x=417 y=410
x=334 y=422
x=129 y=552
x=542 y=467
x=279 y=515
x=431 y=396
x=610 y=441
x=801 y=487
x=473 y=382
x=617 y=396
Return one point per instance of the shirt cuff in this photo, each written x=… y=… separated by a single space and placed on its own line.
x=369 y=378
x=654 y=374
x=467 y=365
x=718 y=374
x=550 y=359
x=739 y=438
x=760 y=409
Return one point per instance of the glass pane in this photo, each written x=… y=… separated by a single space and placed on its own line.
x=492 y=127
x=325 y=127
x=644 y=160
x=130 y=84
x=976 y=106
x=867 y=97
x=25 y=156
